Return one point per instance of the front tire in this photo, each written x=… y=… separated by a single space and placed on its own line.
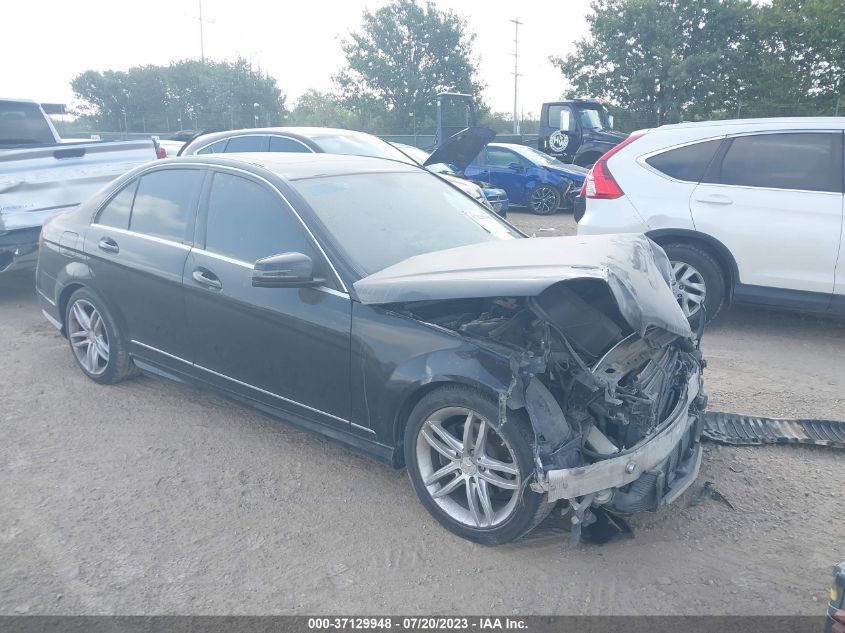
x=97 y=344
x=697 y=280
x=470 y=473
x=544 y=200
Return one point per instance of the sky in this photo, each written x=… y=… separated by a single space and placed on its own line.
x=297 y=42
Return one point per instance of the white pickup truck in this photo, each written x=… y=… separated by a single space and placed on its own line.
x=40 y=175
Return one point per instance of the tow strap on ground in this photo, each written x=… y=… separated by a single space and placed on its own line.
x=747 y=430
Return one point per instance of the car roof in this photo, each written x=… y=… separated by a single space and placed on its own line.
x=775 y=123
x=296 y=166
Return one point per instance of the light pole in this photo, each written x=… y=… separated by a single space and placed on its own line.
x=255 y=107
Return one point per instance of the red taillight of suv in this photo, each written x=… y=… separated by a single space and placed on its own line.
x=600 y=183
x=161 y=152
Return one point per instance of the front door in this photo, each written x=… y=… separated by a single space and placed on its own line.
x=285 y=347
x=775 y=201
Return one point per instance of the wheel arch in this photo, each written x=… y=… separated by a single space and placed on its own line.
x=73 y=286
x=717 y=249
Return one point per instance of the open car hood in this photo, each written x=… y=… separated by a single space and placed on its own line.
x=635 y=269
x=459 y=150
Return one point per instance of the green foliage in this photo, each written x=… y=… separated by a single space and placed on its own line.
x=660 y=61
x=322 y=109
x=188 y=94
x=403 y=55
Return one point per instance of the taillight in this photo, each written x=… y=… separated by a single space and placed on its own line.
x=161 y=152
x=600 y=183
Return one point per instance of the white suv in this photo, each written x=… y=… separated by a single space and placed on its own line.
x=748 y=211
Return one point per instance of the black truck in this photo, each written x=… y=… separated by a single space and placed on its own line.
x=577 y=131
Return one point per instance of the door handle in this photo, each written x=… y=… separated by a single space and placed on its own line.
x=109 y=245
x=207 y=278
x=716 y=198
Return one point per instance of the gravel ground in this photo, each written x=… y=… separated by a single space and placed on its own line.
x=150 y=497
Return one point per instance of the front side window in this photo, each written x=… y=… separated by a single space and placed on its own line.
x=246 y=221
x=810 y=161
x=687 y=163
x=497 y=157
x=164 y=203
x=116 y=212
x=285 y=144
x=560 y=118
x=246 y=144
x=381 y=219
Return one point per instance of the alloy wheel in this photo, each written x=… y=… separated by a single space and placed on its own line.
x=544 y=200
x=688 y=287
x=468 y=468
x=88 y=337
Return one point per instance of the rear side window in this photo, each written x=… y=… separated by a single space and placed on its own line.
x=116 y=212
x=247 y=222
x=810 y=161
x=246 y=144
x=686 y=163
x=214 y=148
x=283 y=144
x=164 y=203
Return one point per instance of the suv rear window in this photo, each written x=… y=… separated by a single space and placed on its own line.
x=686 y=163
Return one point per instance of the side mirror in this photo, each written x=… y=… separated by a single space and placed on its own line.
x=286 y=270
x=515 y=167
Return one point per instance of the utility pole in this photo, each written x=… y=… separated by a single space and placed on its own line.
x=516 y=24
x=201 y=21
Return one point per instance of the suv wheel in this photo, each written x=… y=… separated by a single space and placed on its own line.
x=471 y=474
x=697 y=280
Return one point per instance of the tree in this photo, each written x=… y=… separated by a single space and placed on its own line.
x=404 y=54
x=808 y=36
x=667 y=60
x=185 y=94
x=322 y=109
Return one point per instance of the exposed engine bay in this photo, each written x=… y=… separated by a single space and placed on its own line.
x=594 y=389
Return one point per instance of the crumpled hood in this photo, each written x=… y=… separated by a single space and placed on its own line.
x=635 y=269
x=573 y=172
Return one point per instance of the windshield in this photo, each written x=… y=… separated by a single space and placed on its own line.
x=381 y=219
x=595 y=118
x=419 y=155
x=359 y=145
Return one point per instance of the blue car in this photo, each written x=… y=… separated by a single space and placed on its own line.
x=530 y=177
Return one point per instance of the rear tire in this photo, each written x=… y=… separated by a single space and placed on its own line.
x=696 y=273
x=498 y=466
x=96 y=343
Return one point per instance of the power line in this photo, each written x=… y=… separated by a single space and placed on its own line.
x=516 y=24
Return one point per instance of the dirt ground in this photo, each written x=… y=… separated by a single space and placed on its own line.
x=154 y=498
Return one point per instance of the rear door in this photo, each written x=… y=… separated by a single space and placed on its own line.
x=285 y=347
x=138 y=245
x=775 y=200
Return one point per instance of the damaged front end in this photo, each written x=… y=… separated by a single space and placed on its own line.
x=601 y=360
